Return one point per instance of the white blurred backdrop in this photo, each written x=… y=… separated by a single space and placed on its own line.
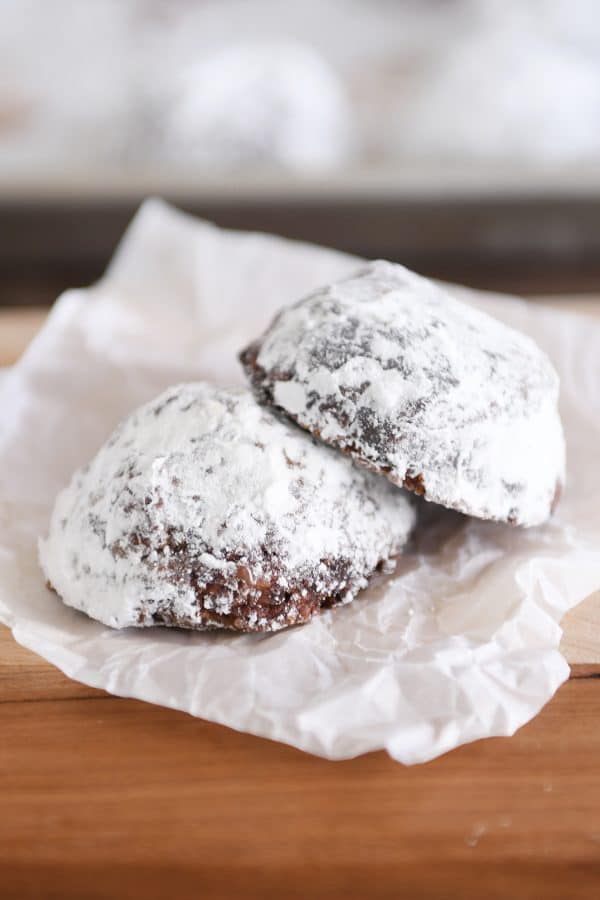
x=321 y=84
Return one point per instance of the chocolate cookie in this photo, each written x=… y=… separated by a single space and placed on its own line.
x=437 y=396
x=206 y=510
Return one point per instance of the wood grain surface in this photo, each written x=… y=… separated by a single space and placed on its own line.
x=109 y=798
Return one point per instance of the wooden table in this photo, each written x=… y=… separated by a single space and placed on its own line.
x=109 y=798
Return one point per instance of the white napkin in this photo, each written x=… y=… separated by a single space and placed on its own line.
x=462 y=643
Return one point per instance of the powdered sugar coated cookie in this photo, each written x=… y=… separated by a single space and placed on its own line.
x=206 y=510
x=441 y=398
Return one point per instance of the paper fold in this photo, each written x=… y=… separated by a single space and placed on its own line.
x=462 y=643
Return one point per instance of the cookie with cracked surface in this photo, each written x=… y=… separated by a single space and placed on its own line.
x=205 y=510
x=410 y=382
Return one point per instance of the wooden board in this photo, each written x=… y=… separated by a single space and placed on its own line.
x=109 y=798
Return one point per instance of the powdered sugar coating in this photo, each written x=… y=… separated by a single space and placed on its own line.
x=206 y=510
x=438 y=396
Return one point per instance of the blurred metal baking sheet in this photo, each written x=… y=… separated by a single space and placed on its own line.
x=477 y=225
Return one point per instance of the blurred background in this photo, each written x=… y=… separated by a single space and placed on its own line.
x=461 y=137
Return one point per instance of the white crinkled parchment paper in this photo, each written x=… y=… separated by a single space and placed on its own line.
x=461 y=644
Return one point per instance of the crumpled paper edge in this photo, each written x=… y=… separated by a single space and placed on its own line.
x=407 y=749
